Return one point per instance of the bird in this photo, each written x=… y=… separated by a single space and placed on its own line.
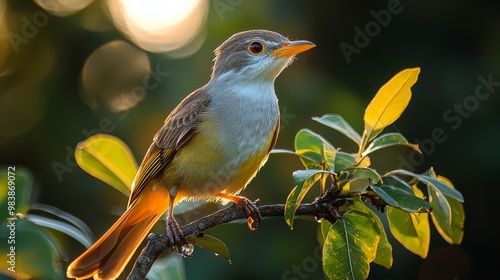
x=211 y=145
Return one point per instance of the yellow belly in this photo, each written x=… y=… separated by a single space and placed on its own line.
x=202 y=168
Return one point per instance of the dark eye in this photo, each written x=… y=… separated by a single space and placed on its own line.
x=256 y=47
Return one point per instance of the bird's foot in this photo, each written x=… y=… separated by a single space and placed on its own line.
x=176 y=238
x=251 y=209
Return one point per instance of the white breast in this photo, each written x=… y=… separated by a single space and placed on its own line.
x=246 y=116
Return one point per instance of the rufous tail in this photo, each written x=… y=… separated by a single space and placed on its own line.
x=109 y=255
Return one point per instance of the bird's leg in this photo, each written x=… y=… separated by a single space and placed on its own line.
x=174 y=232
x=251 y=209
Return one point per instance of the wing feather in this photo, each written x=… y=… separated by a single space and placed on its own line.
x=180 y=125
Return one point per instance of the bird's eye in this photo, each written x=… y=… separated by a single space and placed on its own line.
x=256 y=47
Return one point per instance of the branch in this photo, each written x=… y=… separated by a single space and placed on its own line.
x=324 y=207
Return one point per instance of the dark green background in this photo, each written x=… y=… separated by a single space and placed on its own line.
x=454 y=43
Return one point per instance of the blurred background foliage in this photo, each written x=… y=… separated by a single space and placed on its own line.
x=70 y=69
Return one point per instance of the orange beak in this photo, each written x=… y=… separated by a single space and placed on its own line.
x=292 y=48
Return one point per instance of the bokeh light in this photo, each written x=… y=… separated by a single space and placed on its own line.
x=115 y=74
x=159 y=25
x=63 y=7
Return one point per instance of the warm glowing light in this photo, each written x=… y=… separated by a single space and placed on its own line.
x=115 y=75
x=63 y=7
x=159 y=25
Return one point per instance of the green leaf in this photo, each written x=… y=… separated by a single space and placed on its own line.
x=399 y=194
x=65 y=222
x=388 y=140
x=432 y=182
x=210 y=243
x=441 y=210
x=384 y=248
x=63 y=227
x=338 y=123
x=309 y=147
x=16 y=182
x=304 y=179
x=34 y=250
x=368 y=173
x=458 y=215
x=389 y=102
x=454 y=231
x=356 y=185
x=412 y=230
x=282 y=151
x=344 y=161
x=350 y=246
x=109 y=159
x=330 y=156
x=323 y=229
x=457 y=222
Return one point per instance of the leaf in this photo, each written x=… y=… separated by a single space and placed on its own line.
x=323 y=228
x=441 y=210
x=210 y=243
x=63 y=227
x=356 y=185
x=368 y=173
x=304 y=179
x=343 y=161
x=69 y=218
x=35 y=253
x=384 y=248
x=388 y=140
x=453 y=232
x=309 y=147
x=17 y=183
x=389 y=102
x=109 y=159
x=412 y=230
x=364 y=162
x=350 y=246
x=397 y=193
x=338 y=123
x=282 y=151
x=330 y=156
x=432 y=182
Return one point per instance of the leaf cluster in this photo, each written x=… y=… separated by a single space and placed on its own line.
x=356 y=236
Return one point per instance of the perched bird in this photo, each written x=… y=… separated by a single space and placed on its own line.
x=210 y=147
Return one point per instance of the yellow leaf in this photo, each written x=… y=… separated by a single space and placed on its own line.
x=389 y=102
x=109 y=159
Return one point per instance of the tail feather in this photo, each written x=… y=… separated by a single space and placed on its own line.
x=109 y=255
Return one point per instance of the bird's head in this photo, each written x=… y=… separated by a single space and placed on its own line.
x=256 y=55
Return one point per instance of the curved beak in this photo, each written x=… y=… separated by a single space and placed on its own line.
x=292 y=48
